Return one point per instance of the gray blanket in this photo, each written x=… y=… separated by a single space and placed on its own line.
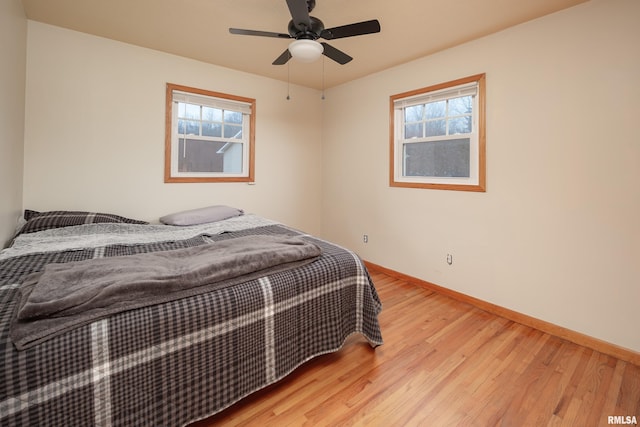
x=64 y=296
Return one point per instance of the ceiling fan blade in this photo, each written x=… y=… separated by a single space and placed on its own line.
x=357 y=29
x=283 y=59
x=300 y=14
x=337 y=55
x=258 y=33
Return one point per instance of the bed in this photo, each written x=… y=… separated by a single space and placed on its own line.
x=181 y=360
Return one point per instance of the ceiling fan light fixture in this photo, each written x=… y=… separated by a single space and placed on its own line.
x=306 y=50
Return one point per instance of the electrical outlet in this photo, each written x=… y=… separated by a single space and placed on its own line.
x=365 y=238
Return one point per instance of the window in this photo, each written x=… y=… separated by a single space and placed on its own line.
x=209 y=136
x=437 y=136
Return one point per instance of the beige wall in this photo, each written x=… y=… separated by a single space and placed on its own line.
x=557 y=234
x=13 y=50
x=95 y=133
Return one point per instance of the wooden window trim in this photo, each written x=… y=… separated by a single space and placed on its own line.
x=168 y=135
x=481 y=185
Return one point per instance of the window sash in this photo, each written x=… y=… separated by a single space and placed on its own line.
x=224 y=124
x=401 y=128
x=400 y=165
x=175 y=149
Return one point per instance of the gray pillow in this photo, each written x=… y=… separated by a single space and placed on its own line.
x=38 y=221
x=201 y=215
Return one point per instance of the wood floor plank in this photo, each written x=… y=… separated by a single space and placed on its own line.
x=444 y=363
x=614 y=388
x=629 y=393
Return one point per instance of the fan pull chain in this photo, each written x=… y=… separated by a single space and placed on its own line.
x=288 y=80
x=322 y=79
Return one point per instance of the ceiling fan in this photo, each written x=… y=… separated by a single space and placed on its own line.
x=306 y=29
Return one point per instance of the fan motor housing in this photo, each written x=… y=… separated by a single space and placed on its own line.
x=312 y=33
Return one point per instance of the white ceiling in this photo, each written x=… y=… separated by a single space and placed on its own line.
x=198 y=29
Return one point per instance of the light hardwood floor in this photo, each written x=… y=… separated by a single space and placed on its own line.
x=446 y=363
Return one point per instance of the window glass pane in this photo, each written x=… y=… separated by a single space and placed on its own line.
x=460 y=125
x=232 y=116
x=435 y=109
x=200 y=156
x=459 y=106
x=211 y=114
x=181 y=106
x=442 y=159
x=192 y=111
x=211 y=129
x=413 y=130
x=436 y=128
x=232 y=131
x=414 y=113
x=232 y=157
x=190 y=127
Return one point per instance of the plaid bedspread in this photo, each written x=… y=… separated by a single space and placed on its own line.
x=178 y=362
